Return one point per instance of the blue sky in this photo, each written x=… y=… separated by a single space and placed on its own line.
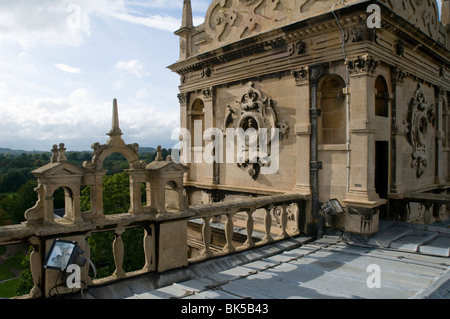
x=62 y=62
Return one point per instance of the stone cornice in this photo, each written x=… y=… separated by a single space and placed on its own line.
x=199 y=66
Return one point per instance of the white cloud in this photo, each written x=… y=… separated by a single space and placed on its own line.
x=133 y=67
x=67 y=68
x=3 y=89
x=119 y=85
x=43 y=22
x=68 y=22
x=165 y=23
x=79 y=120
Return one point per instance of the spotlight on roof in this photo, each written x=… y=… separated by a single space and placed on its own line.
x=331 y=208
x=64 y=253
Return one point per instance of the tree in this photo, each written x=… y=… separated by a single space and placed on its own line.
x=25 y=279
x=116 y=200
x=25 y=198
x=4 y=218
x=12 y=180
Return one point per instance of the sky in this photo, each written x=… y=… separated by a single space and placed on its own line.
x=62 y=62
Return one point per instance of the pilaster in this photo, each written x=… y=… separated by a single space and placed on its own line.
x=208 y=100
x=399 y=129
x=362 y=136
x=302 y=130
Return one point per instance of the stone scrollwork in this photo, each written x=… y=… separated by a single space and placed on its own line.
x=235 y=19
x=362 y=65
x=254 y=111
x=232 y=20
x=421 y=120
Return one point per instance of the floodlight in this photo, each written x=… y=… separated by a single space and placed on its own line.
x=337 y=206
x=330 y=209
x=64 y=253
x=333 y=207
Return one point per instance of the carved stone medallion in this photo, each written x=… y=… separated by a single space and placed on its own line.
x=254 y=111
x=421 y=120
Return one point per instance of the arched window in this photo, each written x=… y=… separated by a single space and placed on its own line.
x=62 y=202
x=381 y=97
x=197 y=123
x=331 y=100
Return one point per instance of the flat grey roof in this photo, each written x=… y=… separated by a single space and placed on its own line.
x=410 y=262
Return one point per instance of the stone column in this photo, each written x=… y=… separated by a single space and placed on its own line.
x=303 y=142
x=399 y=129
x=183 y=98
x=208 y=100
x=362 y=109
x=48 y=217
x=302 y=131
x=137 y=178
x=76 y=204
x=97 y=194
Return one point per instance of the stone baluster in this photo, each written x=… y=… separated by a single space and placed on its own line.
x=267 y=226
x=229 y=227
x=118 y=253
x=206 y=232
x=284 y=220
x=149 y=248
x=35 y=267
x=427 y=214
x=249 y=227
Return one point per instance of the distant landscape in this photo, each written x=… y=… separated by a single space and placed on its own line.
x=17 y=194
x=17 y=183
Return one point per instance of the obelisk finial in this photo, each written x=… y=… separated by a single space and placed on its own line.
x=187 y=20
x=115 y=129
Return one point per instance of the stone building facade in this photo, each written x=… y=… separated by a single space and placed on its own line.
x=358 y=90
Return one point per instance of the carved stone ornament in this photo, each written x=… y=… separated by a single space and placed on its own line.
x=362 y=65
x=301 y=75
x=227 y=21
x=423 y=14
x=254 y=110
x=398 y=76
x=363 y=33
x=232 y=20
x=421 y=120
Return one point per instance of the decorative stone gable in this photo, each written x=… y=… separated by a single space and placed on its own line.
x=58 y=173
x=163 y=180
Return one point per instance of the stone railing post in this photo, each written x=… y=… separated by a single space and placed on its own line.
x=267 y=226
x=206 y=232
x=149 y=248
x=229 y=227
x=118 y=253
x=284 y=220
x=249 y=227
x=36 y=267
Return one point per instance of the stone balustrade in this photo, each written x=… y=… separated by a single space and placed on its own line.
x=165 y=236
